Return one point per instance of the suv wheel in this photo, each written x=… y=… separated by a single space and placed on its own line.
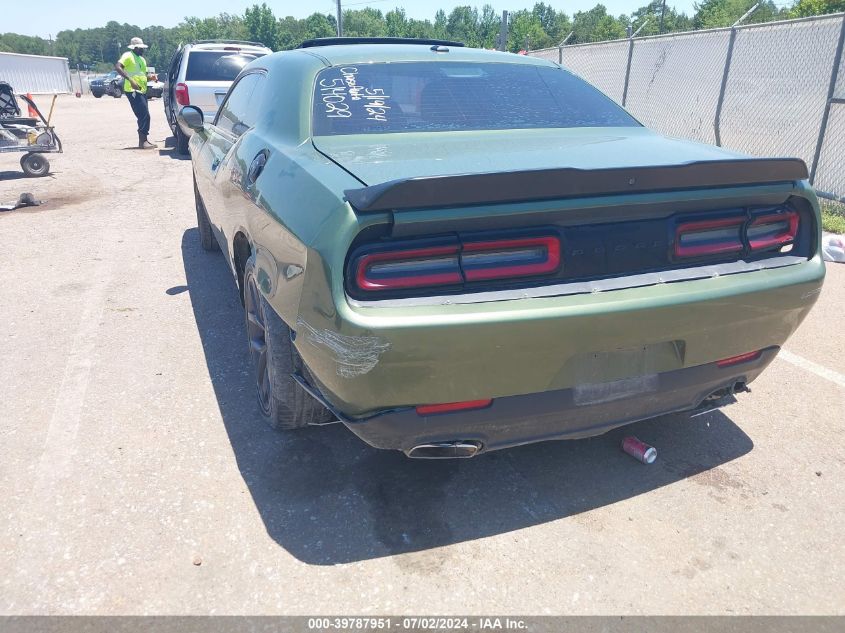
x=181 y=141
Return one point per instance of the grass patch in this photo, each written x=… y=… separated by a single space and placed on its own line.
x=833 y=216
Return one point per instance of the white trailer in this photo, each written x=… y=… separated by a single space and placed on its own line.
x=36 y=74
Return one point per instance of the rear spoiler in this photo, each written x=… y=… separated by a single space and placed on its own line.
x=568 y=182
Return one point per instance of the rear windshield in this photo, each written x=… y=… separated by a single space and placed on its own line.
x=217 y=65
x=449 y=96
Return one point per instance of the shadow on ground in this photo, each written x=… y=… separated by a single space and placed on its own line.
x=12 y=175
x=328 y=498
x=170 y=149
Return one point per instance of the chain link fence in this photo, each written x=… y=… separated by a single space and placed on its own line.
x=775 y=89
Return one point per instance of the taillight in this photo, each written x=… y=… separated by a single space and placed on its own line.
x=182 y=94
x=501 y=259
x=434 y=409
x=774 y=229
x=391 y=270
x=456 y=263
x=709 y=237
x=742 y=358
x=739 y=233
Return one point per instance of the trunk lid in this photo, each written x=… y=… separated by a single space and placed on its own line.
x=207 y=95
x=379 y=158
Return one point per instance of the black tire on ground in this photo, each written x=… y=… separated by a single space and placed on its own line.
x=207 y=239
x=181 y=142
x=35 y=165
x=97 y=95
x=275 y=360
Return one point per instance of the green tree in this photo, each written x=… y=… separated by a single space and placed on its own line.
x=462 y=25
x=440 y=21
x=320 y=25
x=806 y=8
x=290 y=33
x=489 y=25
x=260 y=25
x=526 y=32
x=650 y=15
x=25 y=44
x=397 y=23
x=555 y=24
x=710 y=14
x=366 y=22
x=596 y=25
x=421 y=29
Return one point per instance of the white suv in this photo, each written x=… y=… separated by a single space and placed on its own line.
x=200 y=74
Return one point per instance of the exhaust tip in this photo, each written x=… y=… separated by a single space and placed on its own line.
x=445 y=450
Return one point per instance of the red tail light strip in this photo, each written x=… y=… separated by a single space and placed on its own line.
x=742 y=358
x=541 y=255
x=456 y=263
x=726 y=235
x=709 y=237
x=434 y=409
x=782 y=230
x=435 y=266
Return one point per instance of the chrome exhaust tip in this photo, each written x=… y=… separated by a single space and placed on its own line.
x=444 y=450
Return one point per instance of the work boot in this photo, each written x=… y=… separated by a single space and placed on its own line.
x=143 y=143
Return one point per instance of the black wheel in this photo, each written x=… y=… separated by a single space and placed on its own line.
x=207 y=239
x=97 y=95
x=275 y=360
x=35 y=165
x=181 y=141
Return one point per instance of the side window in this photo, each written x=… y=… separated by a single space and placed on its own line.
x=238 y=114
x=256 y=102
x=174 y=67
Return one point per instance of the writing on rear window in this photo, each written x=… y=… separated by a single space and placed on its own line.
x=455 y=96
x=339 y=95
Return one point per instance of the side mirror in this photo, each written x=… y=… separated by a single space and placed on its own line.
x=192 y=117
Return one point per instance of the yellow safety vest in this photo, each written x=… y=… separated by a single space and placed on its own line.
x=136 y=67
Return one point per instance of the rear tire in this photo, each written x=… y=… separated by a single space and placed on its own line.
x=97 y=95
x=181 y=142
x=207 y=239
x=274 y=358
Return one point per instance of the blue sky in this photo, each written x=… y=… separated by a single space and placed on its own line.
x=52 y=16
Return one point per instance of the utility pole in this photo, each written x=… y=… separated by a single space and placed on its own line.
x=503 y=32
x=662 y=14
x=339 y=20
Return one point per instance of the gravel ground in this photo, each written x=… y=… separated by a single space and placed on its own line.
x=139 y=478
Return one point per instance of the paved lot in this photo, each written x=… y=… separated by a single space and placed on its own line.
x=136 y=475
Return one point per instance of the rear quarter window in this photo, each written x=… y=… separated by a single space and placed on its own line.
x=217 y=65
x=454 y=96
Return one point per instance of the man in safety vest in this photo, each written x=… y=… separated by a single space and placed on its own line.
x=133 y=68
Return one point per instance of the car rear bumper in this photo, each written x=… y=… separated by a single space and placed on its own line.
x=365 y=361
x=582 y=411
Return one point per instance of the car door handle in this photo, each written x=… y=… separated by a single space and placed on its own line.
x=256 y=167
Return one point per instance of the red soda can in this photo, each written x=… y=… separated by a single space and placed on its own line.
x=639 y=450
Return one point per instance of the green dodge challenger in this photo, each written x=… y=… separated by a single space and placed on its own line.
x=453 y=250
